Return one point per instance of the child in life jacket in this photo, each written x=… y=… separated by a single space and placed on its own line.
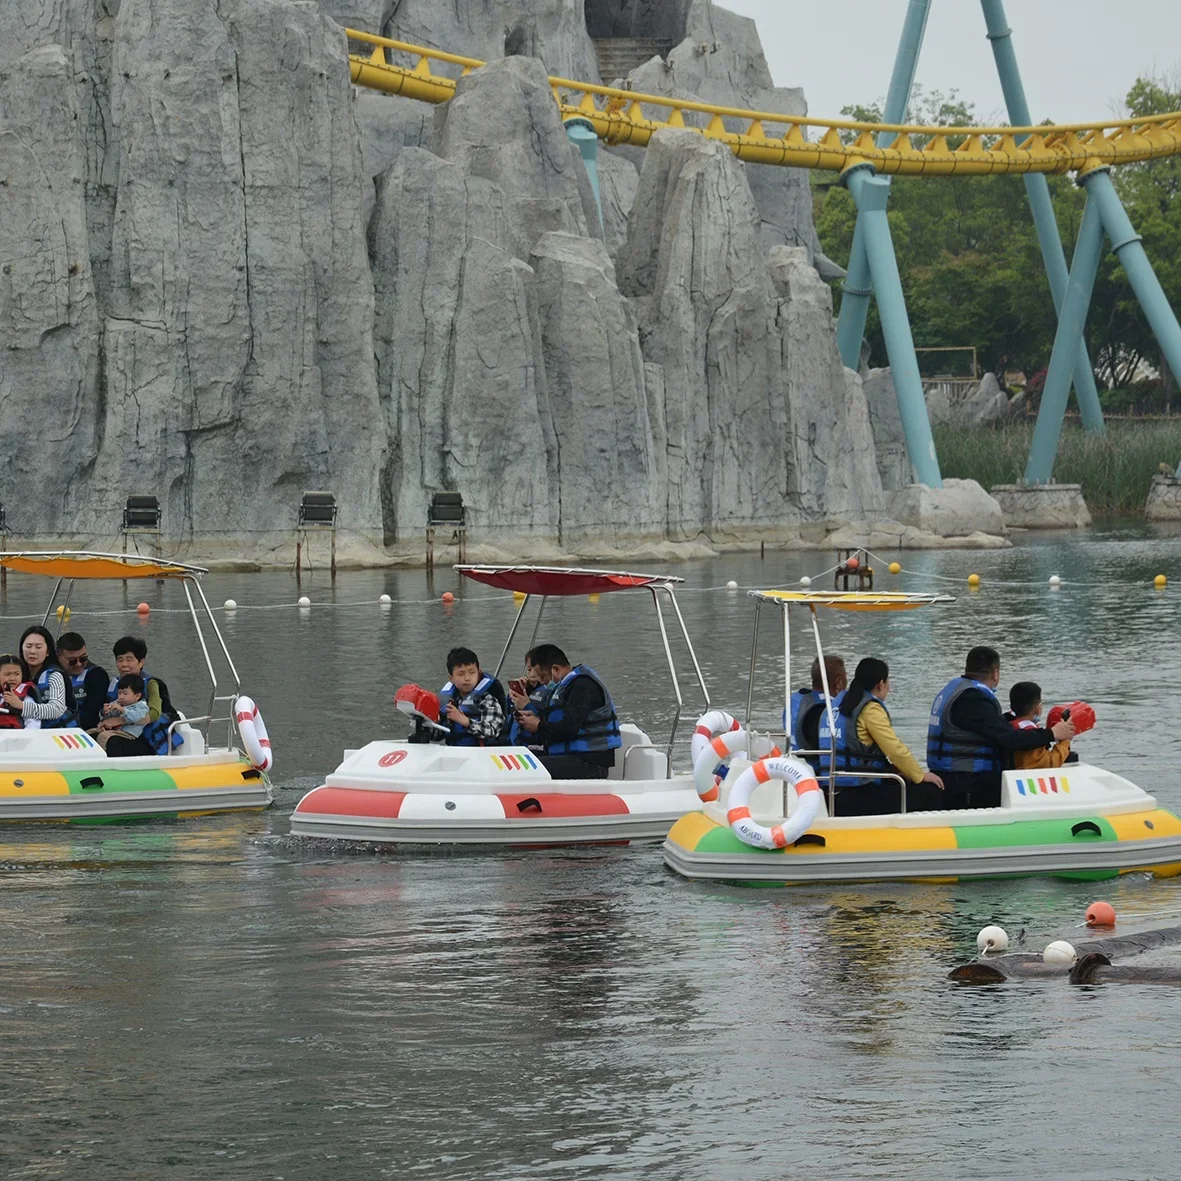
x=14 y=679
x=1025 y=705
x=127 y=714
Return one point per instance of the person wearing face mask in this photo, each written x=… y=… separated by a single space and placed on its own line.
x=969 y=743
x=865 y=743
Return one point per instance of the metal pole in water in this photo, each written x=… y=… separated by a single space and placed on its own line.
x=871 y=193
x=1048 y=429
x=1042 y=208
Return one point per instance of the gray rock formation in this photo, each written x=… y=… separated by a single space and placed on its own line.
x=1043 y=506
x=958 y=509
x=232 y=338
x=988 y=403
x=1164 y=499
x=889 y=441
x=226 y=277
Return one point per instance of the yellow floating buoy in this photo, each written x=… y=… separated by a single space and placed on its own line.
x=519 y=596
x=895 y=568
x=63 y=613
x=592 y=598
x=1159 y=581
x=973 y=579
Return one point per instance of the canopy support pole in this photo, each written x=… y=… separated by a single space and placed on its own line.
x=672 y=669
x=754 y=651
x=832 y=729
x=512 y=632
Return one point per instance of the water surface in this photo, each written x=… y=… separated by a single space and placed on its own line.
x=215 y=999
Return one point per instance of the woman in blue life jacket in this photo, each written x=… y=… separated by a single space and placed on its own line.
x=578 y=729
x=56 y=705
x=472 y=703
x=867 y=746
x=130 y=655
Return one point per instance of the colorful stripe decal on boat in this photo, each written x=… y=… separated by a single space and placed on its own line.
x=78 y=741
x=514 y=762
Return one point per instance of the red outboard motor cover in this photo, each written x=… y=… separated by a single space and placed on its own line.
x=1078 y=712
x=413 y=699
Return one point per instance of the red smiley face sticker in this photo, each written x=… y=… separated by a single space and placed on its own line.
x=393 y=758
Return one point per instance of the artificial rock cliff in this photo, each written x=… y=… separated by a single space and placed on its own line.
x=226 y=277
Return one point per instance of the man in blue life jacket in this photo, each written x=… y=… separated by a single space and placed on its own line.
x=807 y=705
x=969 y=743
x=472 y=703
x=89 y=681
x=578 y=727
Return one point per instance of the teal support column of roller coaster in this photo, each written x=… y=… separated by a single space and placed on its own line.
x=870 y=194
x=581 y=133
x=1072 y=318
x=856 y=287
x=1038 y=190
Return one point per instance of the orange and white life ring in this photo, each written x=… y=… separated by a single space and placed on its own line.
x=792 y=771
x=714 y=722
x=254 y=734
x=709 y=766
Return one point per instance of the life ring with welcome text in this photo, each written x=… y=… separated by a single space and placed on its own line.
x=792 y=771
x=254 y=734
x=709 y=768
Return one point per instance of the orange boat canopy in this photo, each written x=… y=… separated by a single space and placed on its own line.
x=64 y=564
x=553 y=581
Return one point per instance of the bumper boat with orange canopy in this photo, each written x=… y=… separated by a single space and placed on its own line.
x=63 y=774
x=771 y=821
x=431 y=794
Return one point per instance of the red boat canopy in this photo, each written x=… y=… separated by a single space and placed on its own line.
x=553 y=581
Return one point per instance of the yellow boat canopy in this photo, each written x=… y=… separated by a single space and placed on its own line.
x=65 y=564
x=851 y=600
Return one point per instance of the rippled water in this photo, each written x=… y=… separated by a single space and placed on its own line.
x=214 y=999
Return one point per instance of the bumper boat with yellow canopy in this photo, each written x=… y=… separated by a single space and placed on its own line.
x=770 y=820
x=64 y=774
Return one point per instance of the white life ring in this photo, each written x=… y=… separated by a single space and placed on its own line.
x=709 y=724
x=792 y=771
x=720 y=750
x=254 y=734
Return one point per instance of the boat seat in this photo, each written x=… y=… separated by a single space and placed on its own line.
x=643 y=764
x=192 y=741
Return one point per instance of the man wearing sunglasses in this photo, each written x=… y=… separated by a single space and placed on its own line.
x=89 y=681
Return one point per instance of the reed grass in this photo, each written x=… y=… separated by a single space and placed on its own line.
x=1114 y=472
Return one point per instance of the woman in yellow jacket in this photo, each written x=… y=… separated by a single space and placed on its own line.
x=866 y=743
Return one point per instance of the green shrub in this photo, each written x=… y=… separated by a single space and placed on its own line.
x=1114 y=472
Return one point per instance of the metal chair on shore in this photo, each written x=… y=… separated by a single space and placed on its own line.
x=446 y=511
x=317 y=514
x=141 y=518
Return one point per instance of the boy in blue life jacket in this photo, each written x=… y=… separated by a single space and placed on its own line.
x=528 y=694
x=472 y=703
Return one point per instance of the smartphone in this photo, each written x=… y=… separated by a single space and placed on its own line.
x=518 y=686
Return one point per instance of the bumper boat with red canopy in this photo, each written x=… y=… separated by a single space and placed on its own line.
x=431 y=794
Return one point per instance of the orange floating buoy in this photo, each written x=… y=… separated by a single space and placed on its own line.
x=854 y=563
x=142 y=609
x=1100 y=914
x=448 y=597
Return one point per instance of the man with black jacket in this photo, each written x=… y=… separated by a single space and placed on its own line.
x=577 y=727
x=89 y=680
x=969 y=743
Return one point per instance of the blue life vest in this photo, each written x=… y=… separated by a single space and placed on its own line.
x=155 y=734
x=950 y=749
x=800 y=699
x=42 y=686
x=851 y=753
x=538 y=699
x=599 y=732
x=78 y=684
x=823 y=760
x=469 y=706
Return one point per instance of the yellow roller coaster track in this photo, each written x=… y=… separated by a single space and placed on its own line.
x=624 y=117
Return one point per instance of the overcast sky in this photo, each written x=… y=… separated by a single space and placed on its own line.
x=1078 y=57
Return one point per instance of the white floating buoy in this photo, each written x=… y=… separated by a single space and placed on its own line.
x=304 y=601
x=731 y=585
x=1055 y=581
x=385 y=600
x=805 y=581
x=1060 y=952
x=992 y=939
x=230 y=605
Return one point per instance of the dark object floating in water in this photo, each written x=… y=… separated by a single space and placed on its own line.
x=1094 y=965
